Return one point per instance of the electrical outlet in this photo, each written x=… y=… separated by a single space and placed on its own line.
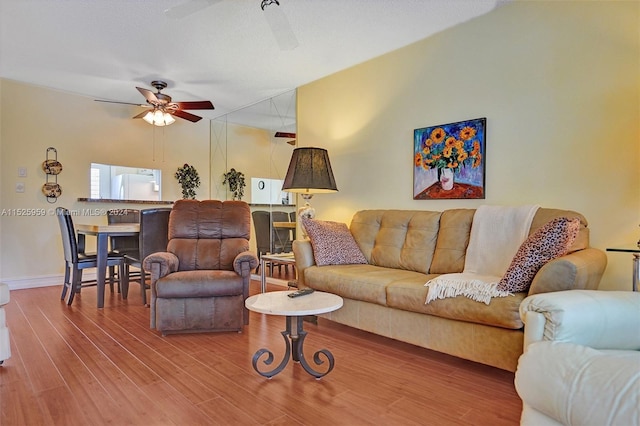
x=22 y=172
x=19 y=186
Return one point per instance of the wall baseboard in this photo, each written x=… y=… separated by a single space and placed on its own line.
x=51 y=280
x=270 y=280
x=39 y=281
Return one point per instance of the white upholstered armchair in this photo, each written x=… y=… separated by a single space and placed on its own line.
x=581 y=362
x=5 y=349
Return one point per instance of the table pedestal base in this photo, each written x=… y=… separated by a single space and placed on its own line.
x=294 y=341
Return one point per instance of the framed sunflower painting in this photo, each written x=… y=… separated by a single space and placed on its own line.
x=449 y=161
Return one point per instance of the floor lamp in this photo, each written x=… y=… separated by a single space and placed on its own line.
x=309 y=173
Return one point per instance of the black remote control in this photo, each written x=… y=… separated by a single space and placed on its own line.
x=300 y=292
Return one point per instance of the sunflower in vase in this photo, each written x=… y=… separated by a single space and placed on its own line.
x=448 y=151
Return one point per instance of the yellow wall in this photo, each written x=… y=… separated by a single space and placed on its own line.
x=559 y=84
x=83 y=131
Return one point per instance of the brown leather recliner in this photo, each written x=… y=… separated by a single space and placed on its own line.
x=201 y=282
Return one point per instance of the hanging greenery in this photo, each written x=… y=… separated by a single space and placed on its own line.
x=189 y=179
x=235 y=180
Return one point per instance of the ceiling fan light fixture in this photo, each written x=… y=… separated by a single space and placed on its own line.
x=157 y=117
x=162 y=109
x=168 y=119
x=148 y=117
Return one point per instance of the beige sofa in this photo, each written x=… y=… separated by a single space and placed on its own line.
x=404 y=249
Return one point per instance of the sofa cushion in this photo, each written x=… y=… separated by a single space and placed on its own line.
x=453 y=239
x=360 y=282
x=332 y=243
x=548 y=242
x=545 y=215
x=409 y=295
x=401 y=239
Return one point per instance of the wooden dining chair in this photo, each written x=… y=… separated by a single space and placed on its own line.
x=153 y=237
x=126 y=244
x=282 y=235
x=122 y=245
x=76 y=260
x=293 y=218
x=270 y=240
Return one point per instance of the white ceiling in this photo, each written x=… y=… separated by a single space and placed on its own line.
x=225 y=52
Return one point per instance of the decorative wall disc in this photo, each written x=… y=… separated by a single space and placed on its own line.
x=52 y=167
x=52 y=190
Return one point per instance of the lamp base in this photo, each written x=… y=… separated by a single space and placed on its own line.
x=307 y=211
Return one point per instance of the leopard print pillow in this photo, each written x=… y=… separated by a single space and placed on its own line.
x=332 y=243
x=548 y=242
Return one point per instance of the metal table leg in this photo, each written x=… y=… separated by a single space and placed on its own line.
x=636 y=271
x=294 y=340
x=263 y=276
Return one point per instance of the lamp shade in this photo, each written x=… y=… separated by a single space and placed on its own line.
x=309 y=172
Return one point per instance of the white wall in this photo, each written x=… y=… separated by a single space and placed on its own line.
x=83 y=131
x=559 y=83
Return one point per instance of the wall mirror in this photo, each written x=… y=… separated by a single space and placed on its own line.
x=125 y=183
x=258 y=141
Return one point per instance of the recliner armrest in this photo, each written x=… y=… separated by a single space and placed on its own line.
x=599 y=319
x=167 y=262
x=244 y=262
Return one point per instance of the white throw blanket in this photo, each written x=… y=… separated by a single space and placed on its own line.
x=496 y=234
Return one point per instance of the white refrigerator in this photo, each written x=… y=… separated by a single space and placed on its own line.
x=134 y=187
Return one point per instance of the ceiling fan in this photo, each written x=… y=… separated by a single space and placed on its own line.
x=275 y=17
x=287 y=135
x=162 y=108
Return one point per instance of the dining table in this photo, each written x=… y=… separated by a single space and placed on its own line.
x=288 y=225
x=102 y=234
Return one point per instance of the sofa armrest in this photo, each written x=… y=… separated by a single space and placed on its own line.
x=578 y=270
x=599 y=319
x=303 y=253
x=244 y=262
x=165 y=262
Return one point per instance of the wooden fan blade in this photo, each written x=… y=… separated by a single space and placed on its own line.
x=188 y=7
x=117 y=102
x=195 y=105
x=285 y=135
x=186 y=116
x=142 y=114
x=149 y=95
x=280 y=27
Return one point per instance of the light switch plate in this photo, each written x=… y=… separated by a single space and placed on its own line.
x=22 y=172
x=19 y=186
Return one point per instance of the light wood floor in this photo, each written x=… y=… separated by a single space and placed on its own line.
x=82 y=366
